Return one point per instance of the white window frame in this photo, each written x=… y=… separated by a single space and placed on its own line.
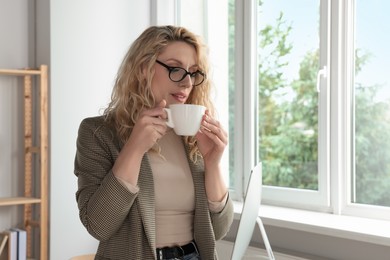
x=309 y=199
x=343 y=57
x=245 y=92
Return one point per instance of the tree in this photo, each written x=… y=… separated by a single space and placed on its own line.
x=288 y=143
x=372 y=156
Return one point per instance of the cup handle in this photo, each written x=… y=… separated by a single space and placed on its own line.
x=169 y=122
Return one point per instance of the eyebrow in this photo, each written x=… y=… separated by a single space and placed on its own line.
x=181 y=64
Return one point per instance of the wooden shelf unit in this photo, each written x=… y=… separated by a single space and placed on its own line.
x=41 y=150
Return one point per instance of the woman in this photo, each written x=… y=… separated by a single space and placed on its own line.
x=143 y=191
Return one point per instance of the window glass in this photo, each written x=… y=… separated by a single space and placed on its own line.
x=371 y=178
x=288 y=62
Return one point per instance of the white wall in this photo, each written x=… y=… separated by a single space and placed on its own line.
x=88 y=40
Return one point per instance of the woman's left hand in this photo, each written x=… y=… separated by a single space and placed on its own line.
x=212 y=140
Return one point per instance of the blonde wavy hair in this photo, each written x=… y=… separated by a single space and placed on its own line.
x=132 y=89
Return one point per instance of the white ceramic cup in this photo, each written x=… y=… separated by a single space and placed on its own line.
x=185 y=119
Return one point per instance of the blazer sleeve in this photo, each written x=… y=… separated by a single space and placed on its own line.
x=222 y=221
x=103 y=201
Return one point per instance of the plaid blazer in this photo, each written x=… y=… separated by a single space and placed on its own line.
x=122 y=221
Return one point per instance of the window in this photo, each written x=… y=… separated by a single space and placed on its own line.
x=308 y=95
x=292 y=101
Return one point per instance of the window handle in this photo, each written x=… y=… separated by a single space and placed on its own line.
x=321 y=73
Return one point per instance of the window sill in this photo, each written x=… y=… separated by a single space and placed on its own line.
x=347 y=227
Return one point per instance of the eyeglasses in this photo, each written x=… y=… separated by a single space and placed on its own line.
x=177 y=74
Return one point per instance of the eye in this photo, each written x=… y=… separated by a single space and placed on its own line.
x=175 y=69
x=195 y=74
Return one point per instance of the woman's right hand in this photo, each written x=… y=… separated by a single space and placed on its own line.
x=149 y=128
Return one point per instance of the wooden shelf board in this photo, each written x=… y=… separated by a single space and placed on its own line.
x=20 y=72
x=18 y=201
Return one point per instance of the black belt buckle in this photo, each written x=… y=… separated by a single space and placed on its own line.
x=170 y=253
x=176 y=252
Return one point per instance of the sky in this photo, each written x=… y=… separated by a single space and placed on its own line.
x=373 y=28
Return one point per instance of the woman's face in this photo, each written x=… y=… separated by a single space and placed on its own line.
x=175 y=54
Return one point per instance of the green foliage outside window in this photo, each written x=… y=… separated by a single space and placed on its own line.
x=288 y=127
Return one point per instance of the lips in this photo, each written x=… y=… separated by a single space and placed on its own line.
x=181 y=97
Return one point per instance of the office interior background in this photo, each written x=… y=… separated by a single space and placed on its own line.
x=302 y=86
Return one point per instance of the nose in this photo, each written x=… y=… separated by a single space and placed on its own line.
x=186 y=82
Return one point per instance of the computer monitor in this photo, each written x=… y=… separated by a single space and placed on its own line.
x=250 y=216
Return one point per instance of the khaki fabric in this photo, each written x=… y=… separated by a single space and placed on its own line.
x=122 y=221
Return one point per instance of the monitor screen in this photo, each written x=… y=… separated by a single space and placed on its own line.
x=249 y=213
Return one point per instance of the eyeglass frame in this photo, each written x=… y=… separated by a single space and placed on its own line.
x=192 y=74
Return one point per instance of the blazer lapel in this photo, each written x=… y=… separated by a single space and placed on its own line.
x=202 y=220
x=147 y=201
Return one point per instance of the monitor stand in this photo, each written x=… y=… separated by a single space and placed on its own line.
x=265 y=239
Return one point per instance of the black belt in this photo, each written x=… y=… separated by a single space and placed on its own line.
x=176 y=251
